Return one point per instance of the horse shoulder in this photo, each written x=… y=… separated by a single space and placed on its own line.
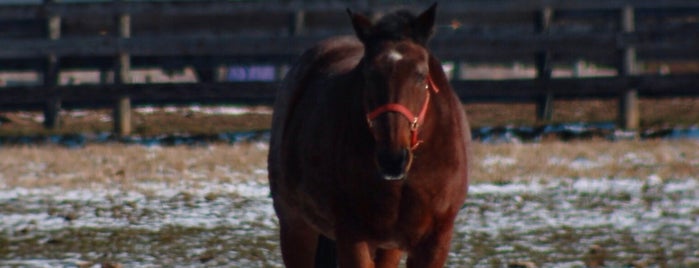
x=322 y=62
x=328 y=57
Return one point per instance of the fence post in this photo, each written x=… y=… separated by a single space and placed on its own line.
x=52 y=107
x=544 y=104
x=206 y=71
x=122 y=75
x=629 y=115
x=297 y=27
x=456 y=71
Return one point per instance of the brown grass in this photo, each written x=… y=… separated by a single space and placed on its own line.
x=654 y=113
x=115 y=165
x=144 y=124
x=120 y=166
x=586 y=159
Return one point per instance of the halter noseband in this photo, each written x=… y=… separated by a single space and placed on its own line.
x=415 y=121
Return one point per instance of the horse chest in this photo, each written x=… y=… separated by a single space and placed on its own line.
x=389 y=207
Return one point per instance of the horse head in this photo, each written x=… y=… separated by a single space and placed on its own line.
x=396 y=84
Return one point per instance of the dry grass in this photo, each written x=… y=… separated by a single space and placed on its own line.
x=586 y=159
x=120 y=166
x=654 y=113
x=145 y=124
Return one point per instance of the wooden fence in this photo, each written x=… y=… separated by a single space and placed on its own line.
x=118 y=37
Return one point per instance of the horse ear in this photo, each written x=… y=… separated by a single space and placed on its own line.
x=362 y=25
x=424 y=23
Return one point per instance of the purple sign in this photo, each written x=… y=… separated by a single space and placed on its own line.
x=251 y=73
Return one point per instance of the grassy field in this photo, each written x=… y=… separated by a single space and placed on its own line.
x=145 y=122
x=208 y=205
x=547 y=202
x=40 y=166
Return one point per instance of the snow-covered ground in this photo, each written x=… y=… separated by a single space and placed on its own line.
x=161 y=206
x=216 y=110
x=553 y=217
x=551 y=223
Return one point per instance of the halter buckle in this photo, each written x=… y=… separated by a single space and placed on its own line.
x=414 y=124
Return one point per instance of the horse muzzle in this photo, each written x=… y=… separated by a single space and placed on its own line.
x=394 y=165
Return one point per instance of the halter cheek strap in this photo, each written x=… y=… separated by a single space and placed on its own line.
x=415 y=121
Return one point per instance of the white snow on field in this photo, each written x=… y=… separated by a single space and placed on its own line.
x=653 y=211
x=209 y=110
x=199 y=211
x=498 y=160
x=180 y=205
x=580 y=163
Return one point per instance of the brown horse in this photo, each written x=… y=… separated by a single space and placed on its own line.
x=368 y=156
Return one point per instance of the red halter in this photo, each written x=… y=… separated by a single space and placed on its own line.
x=415 y=121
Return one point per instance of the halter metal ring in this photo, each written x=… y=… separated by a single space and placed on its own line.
x=414 y=125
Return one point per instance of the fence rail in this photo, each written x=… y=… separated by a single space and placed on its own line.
x=116 y=37
x=651 y=45
x=470 y=91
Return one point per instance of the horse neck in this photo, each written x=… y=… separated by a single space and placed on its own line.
x=353 y=83
x=442 y=120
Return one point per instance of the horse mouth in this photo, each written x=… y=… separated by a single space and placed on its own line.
x=393 y=165
x=393 y=177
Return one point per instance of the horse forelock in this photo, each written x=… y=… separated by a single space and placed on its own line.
x=396 y=26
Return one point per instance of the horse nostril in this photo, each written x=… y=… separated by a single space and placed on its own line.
x=392 y=164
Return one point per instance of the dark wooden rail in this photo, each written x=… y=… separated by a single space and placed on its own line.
x=117 y=37
x=470 y=91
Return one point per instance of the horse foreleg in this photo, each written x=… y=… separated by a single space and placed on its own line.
x=353 y=253
x=432 y=252
x=326 y=253
x=298 y=242
x=388 y=258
